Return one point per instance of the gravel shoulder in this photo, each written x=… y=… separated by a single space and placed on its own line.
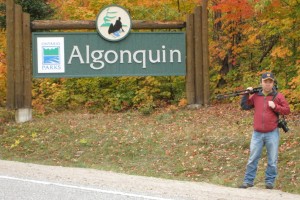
x=169 y=189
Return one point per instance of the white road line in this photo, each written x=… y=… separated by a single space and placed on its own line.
x=82 y=188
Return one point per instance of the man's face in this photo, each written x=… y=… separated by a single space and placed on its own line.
x=267 y=85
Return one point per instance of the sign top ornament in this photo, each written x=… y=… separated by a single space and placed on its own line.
x=113 y=23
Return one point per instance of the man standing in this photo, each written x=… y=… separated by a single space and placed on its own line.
x=266 y=133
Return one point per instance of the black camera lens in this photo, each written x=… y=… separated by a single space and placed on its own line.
x=283 y=124
x=285 y=128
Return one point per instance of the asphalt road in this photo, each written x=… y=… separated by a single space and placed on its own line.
x=29 y=181
x=14 y=188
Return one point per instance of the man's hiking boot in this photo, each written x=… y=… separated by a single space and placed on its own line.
x=269 y=186
x=245 y=185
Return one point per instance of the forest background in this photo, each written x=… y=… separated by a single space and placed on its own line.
x=246 y=38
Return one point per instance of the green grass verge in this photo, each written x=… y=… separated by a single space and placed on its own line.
x=210 y=144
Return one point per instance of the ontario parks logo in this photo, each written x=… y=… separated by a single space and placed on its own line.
x=113 y=23
x=51 y=55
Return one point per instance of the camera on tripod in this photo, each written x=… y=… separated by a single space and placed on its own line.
x=283 y=124
x=237 y=93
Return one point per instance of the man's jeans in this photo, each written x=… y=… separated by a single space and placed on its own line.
x=271 y=141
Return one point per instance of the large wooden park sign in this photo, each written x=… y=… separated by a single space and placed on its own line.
x=111 y=50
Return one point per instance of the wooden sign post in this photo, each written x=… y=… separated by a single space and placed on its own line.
x=197 y=77
x=19 y=81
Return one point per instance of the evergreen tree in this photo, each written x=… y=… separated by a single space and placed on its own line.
x=38 y=9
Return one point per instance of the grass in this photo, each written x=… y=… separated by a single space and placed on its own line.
x=210 y=144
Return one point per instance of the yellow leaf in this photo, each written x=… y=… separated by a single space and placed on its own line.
x=281 y=52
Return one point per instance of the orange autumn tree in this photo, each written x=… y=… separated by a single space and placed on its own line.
x=230 y=21
x=284 y=21
x=139 y=10
x=254 y=36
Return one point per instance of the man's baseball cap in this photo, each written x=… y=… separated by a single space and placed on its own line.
x=267 y=75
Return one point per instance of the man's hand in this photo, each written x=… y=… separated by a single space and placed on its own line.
x=250 y=89
x=271 y=104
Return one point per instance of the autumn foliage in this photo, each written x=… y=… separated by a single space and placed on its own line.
x=247 y=37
